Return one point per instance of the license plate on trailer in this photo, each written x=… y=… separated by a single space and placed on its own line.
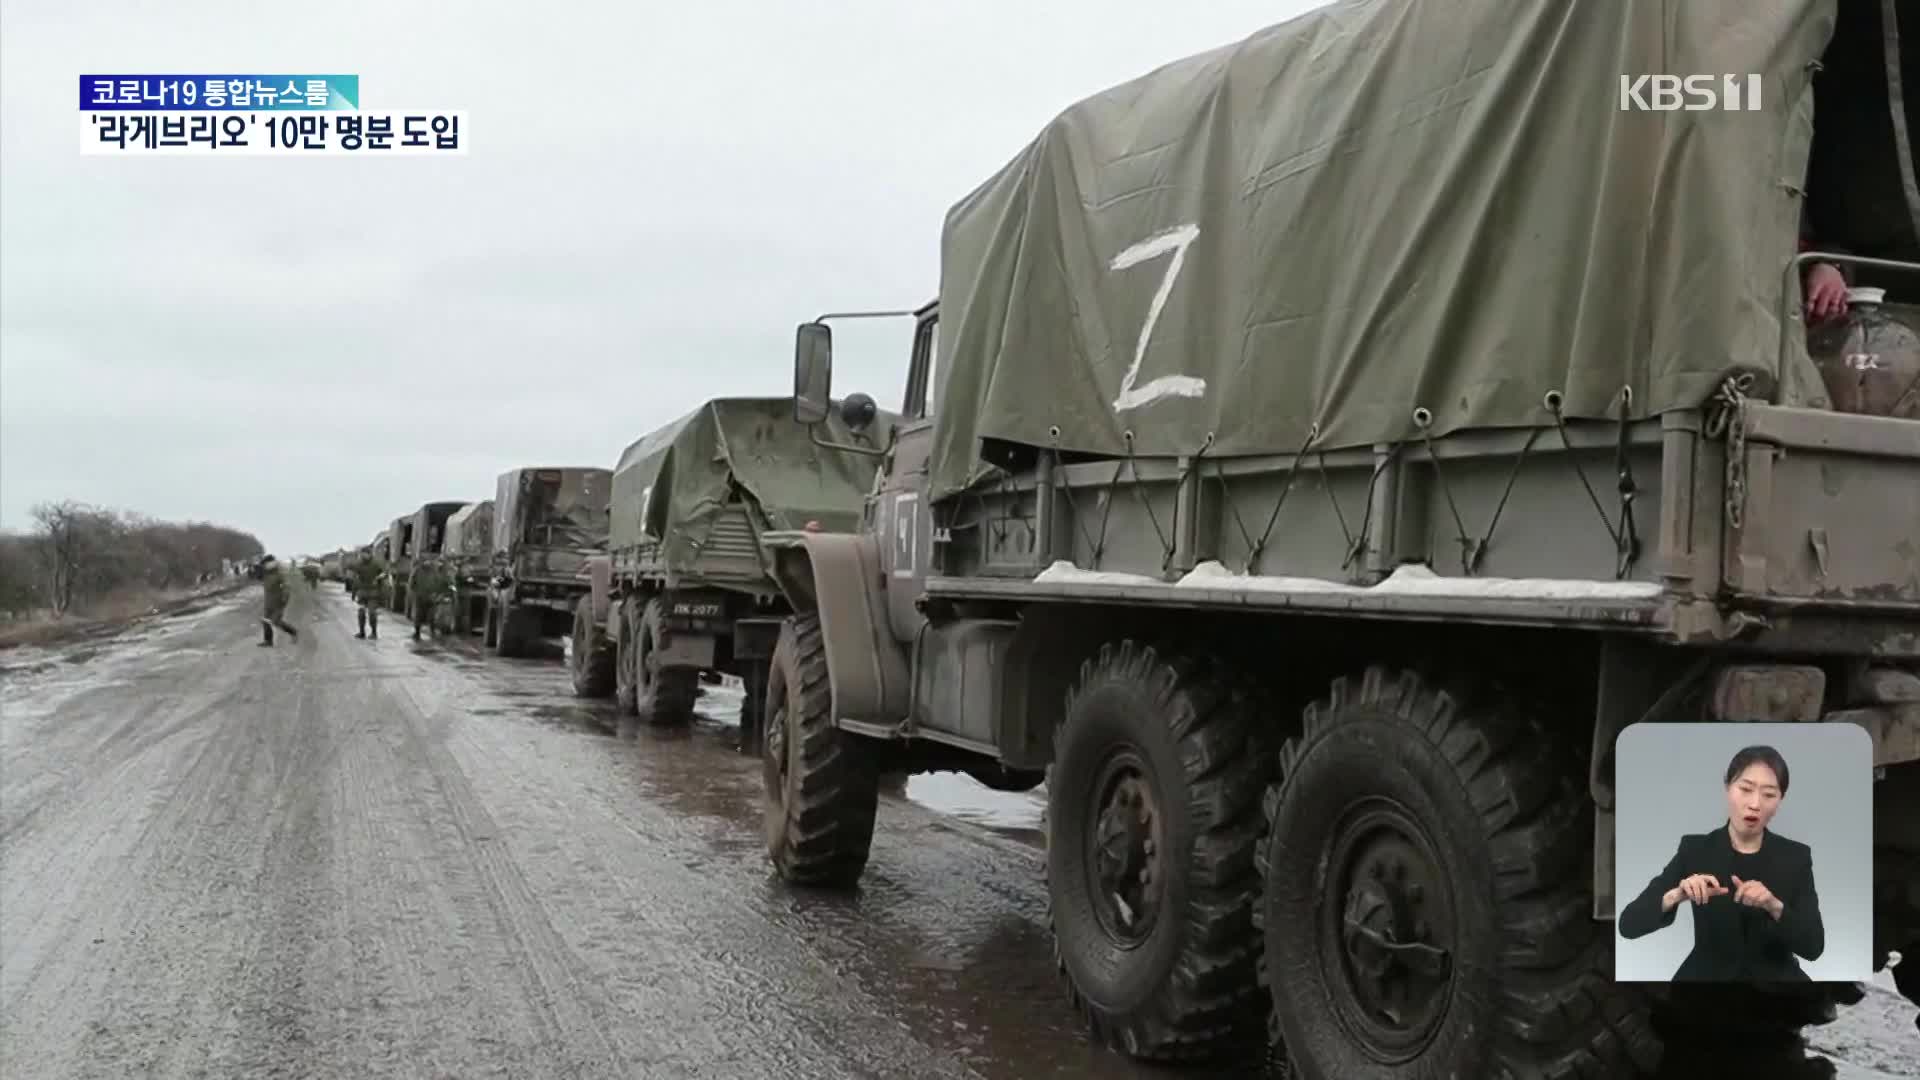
x=697 y=609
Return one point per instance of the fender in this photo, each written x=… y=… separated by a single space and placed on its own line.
x=838 y=576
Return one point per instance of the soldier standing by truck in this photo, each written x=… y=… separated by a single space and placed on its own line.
x=274 y=579
x=431 y=586
x=369 y=584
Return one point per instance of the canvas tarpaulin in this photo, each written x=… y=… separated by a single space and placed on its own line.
x=673 y=483
x=429 y=527
x=1383 y=206
x=551 y=507
x=470 y=530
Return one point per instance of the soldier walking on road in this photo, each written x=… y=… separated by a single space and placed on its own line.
x=369 y=582
x=274 y=577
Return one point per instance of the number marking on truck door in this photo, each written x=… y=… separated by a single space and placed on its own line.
x=906 y=526
x=1174 y=241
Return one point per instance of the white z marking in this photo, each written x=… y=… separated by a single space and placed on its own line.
x=1175 y=241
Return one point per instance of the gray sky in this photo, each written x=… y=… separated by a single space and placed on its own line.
x=654 y=196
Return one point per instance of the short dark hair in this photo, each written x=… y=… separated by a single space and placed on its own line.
x=1762 y=755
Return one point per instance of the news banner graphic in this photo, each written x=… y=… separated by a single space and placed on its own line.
x=252 y=115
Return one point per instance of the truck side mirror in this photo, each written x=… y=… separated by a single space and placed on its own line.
x=812 y=373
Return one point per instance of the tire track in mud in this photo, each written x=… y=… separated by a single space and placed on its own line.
x=566 y=853
x=571 y=1019
x=125 y=855
x=805 y=971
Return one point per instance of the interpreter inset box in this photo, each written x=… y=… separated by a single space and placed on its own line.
x=1743 y=853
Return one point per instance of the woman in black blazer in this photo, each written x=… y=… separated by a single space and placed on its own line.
x=1754 y=904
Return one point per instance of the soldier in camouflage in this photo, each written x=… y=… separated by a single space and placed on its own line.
x=432 y=586
x=274 y=578
x=369 y=582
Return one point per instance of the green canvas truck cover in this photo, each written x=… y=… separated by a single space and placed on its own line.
x=1381 y=206
x=429 y=526
x=674 y=482
x=470 y=531
x=561 y=507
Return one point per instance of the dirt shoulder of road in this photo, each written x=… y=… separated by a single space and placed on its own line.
x=115 y=616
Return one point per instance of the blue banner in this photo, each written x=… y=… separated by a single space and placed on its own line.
x=219 y=93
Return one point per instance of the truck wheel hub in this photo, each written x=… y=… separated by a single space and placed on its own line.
x=1124 y=851
x=776 y=748
x=1392 y=939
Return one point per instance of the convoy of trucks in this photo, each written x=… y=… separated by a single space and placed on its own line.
x=1310 y=498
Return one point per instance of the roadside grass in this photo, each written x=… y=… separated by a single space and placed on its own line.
x=105 y=615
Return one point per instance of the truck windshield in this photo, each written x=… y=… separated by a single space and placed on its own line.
x=563 y=516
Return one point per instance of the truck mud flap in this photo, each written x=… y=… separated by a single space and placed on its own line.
x=754 y=639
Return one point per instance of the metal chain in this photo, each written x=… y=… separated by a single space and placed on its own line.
x=1728 y=417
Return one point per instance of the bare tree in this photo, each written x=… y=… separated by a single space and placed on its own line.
x=63 y=528
x=23 y=585
x=86 y=553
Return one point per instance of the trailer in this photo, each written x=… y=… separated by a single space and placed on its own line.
x=686 y=588
x=1340 y=438
x=468 y=553
x=547 y=523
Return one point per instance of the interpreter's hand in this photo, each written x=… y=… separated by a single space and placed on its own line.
x=1826 y=293
x=1699 y=888
x=1755 y=894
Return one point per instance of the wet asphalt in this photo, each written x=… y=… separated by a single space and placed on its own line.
x=344 y=858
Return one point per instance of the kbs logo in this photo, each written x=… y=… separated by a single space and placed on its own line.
x=1691 y=93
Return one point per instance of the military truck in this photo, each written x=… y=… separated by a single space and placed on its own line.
x=1341 y=437
x=467 y=549
x=547 y=522
x=686 y=588
x=410 y=538
x=399 y=562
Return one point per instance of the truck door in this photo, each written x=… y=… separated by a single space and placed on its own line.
x=902 y=517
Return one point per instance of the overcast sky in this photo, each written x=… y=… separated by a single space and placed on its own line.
x=654 y=196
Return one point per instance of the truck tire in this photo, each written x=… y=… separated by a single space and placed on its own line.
x=822 y=785
x=591 y=655
x=513 y=635
x=1408 y=816
x=1153 y=812
x=625 y=692
x=662 y=696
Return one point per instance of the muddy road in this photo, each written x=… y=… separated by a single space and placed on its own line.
x=342 y=858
